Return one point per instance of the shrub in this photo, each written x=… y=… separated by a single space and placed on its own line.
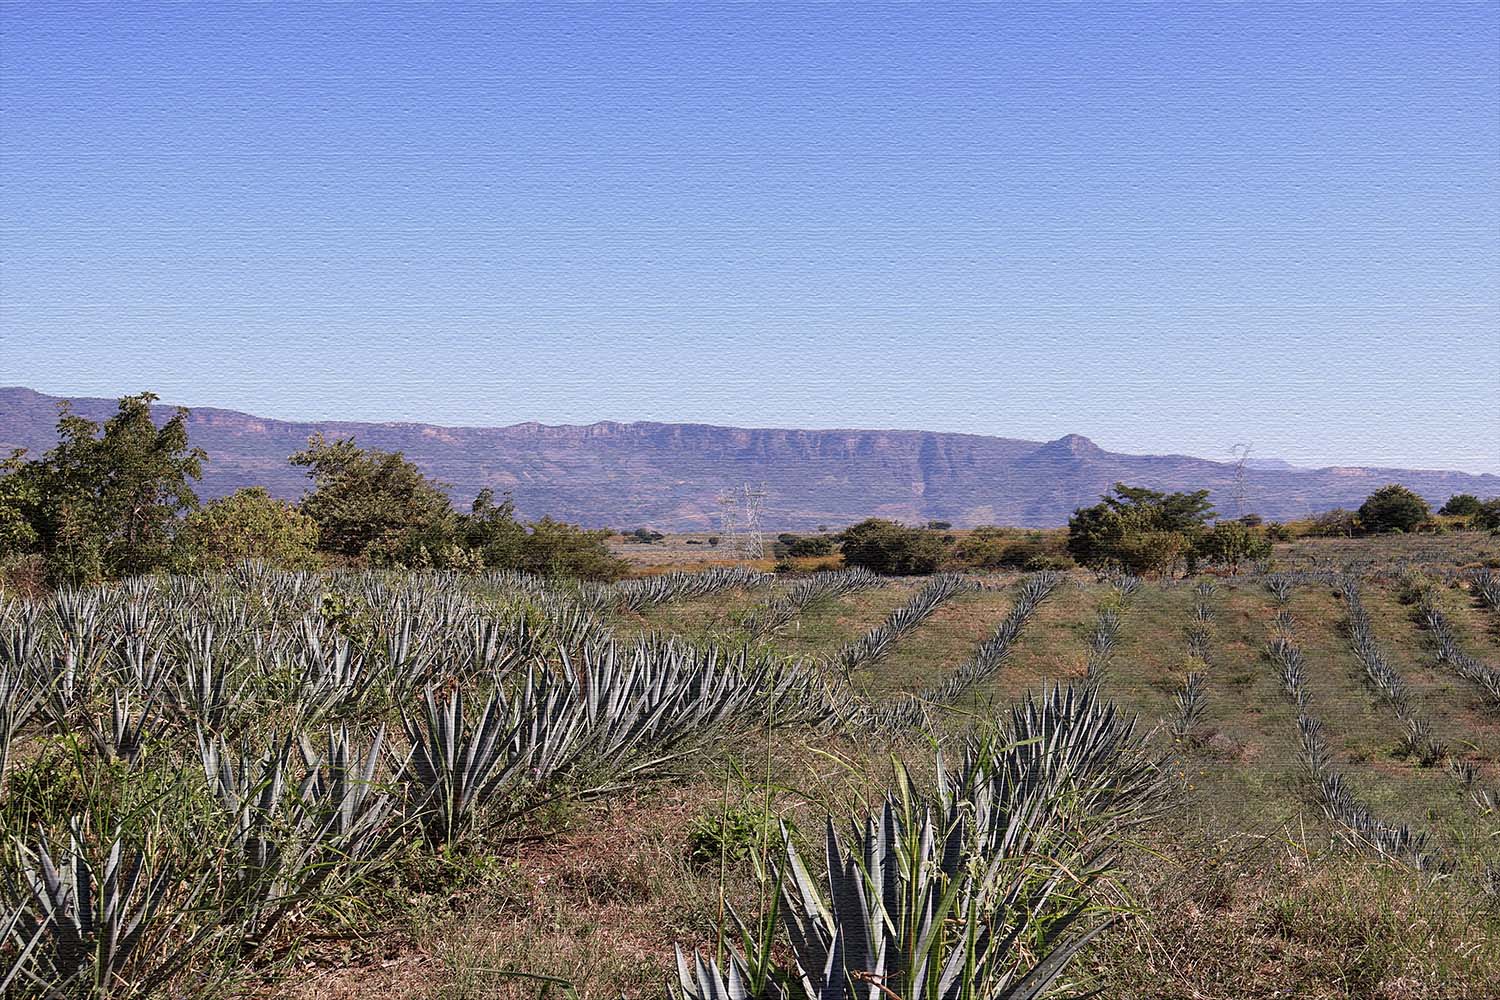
x=1230 y=543
x=1393 y=508
x=994 y=548
x=1487 y=517
x=813 y=545
x=939 y=525
x=553 y=548
x=373 y=504
x=1139 y=530
x=1460 y=505
x=891 y=549
x=247 y=524
x=1278 y=532
x=1336 y=523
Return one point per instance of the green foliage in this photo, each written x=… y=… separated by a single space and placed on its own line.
x=555 y=548
x=105 y=502
x=988 y=547
x=373 y=505
x=1487 y=517
x=891 y=549
x=810 y=546
x=1460 y=505
x=939 y=525
x=1393 y=508
x=18 y=497
x=1139 y=530
x=248 y=524
x=492 y=531
x=734 y=833
x=1230 y=543
x=1336 y=523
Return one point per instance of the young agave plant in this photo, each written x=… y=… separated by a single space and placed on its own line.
x=96 y=930
x=1192 y=702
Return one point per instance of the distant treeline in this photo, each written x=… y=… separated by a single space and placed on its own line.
x=117 y=500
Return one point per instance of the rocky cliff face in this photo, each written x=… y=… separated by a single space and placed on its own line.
x=668 y=475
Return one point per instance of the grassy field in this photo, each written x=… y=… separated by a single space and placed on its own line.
x=1243 y=888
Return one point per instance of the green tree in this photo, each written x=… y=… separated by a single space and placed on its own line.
x=1460 y=505
x=106 y=502
x=554 y=548
x=810 y=545
x=891 y=549
x=1487 y=517
x=1230 y=543
x=1336 y=523
x=1138 y=529
x=374 y=504
x=248 y=524
x=1393 y=508
x=491 y=530
x=18 y=502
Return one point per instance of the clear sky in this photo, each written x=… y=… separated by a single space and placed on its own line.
x=1169 y=228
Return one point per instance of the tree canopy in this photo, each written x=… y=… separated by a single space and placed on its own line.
x=105 y=501
x=1139 y=530
x=373 y=504
x=1393 y=508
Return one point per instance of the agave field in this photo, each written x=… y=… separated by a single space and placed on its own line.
x=724 y=784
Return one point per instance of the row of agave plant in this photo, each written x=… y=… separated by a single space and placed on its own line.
x=1418 y=738
x=1191 y=699
x=1331 y=788
x=207 y=760
x=1445 y=640
x=982 y=887
x=908 y=713
x=1485 y=585
x=647 y=592
x=786 y=605
x=1104 y=635
x=876 y=644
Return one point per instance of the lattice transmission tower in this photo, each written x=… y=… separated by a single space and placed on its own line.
x=739 y=519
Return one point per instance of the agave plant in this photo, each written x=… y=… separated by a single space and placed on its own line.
x=1485 y=586
x=458 y=765
x=1191 y=701
x=96 y=928
x=1450 y=652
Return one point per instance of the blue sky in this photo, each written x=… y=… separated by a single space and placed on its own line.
x=1170 y=228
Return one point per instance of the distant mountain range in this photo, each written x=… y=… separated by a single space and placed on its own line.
x=667 y=476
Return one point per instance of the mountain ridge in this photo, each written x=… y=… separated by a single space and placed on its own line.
x=668 y=475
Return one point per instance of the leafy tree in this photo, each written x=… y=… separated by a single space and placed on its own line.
x=892 y=549
x=1336 y=523
x=491 y=531
x=106 y=502
x=1138 y=529
x=1487 y=517
x=810 y=546
x=18 y=501
x=1393 y=508
x=939 y=525
x=374 y=504
x=1460 y=505
x=554 y=548
x=1230 y=543
x=248 y=524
